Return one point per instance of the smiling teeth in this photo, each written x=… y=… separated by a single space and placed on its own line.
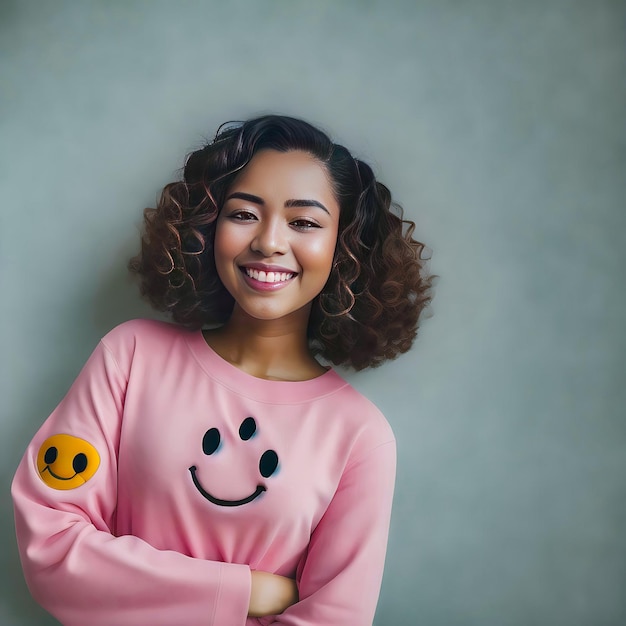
x=269 y=277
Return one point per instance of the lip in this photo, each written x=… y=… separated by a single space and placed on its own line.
x=258 y=285
x=262 y=267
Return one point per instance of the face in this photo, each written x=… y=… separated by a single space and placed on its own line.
x=276 y=234
x=66 y=462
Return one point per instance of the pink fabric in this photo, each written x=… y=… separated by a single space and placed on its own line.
x=140 y=544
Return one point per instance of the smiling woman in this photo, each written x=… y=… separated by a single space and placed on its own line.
x=214 y=471
x=274 y=249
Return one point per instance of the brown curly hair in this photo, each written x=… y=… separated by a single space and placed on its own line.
x=369 y=309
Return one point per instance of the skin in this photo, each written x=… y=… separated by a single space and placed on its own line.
x=280 y=213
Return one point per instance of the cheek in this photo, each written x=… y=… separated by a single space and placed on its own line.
x=320 y=254
x=225 y=246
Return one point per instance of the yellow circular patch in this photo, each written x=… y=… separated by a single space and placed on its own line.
x=66 y=462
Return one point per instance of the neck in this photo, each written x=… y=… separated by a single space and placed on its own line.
x=270 y=349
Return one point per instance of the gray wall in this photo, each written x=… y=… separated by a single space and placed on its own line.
x=499 y=126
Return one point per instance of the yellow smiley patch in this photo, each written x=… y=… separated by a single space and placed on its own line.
x=66 y=462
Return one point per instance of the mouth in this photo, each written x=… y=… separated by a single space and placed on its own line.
x=267 y=279
x=47 y=468
x=259 y=490
x=269 y=276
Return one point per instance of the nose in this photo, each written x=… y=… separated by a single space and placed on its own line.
x=271 y=238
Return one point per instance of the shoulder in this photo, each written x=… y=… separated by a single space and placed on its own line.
x=369 y=426
x=143 y=330
x=142 y=336
x=357 y=402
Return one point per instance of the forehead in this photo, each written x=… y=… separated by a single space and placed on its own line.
x=294 y=174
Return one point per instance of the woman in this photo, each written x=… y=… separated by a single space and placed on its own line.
x=224 y=476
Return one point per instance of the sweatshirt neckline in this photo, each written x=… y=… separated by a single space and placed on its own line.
x=271 y=391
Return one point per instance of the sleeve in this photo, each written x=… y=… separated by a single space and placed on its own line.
x=64 y=494
x=339 y=579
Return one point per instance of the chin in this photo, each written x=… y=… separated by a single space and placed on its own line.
x=276 y=314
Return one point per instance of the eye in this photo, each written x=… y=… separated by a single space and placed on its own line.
x=247 y=428
x=242 y=216
x=211 y=441
x=51 y=455
x=304 y=224
x=79 y=463
x=268 y=463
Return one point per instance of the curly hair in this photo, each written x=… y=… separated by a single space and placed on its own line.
x=369 y=309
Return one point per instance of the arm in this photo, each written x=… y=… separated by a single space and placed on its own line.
x=339 y=580
x=73 y=563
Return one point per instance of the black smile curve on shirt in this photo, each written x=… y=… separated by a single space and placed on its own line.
x=47 y=467
x=259 y=490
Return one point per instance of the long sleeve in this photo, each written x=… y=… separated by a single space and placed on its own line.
x=65 y=516
x=339 y=580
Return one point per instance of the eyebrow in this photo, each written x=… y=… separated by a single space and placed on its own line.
x=289 y=203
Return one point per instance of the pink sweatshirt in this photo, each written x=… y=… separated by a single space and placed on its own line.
x=166 y=474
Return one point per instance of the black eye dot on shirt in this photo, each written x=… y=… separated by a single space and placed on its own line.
x=247 y=428
x=268 y=463
x=51 y=455
x=211 y=441
x=79 y=463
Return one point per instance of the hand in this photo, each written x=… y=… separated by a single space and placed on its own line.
x=271 y=594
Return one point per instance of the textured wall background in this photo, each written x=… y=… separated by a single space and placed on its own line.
x=499 y=125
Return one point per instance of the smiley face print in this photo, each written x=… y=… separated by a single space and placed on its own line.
x=66 y=462
x=212 y=443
